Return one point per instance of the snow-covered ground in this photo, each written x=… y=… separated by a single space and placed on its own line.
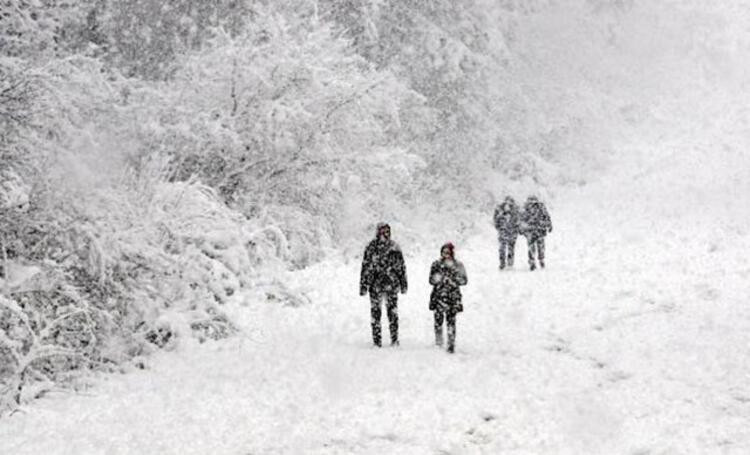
x=634 y=340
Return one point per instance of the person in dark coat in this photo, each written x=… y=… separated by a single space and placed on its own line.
x=446 y=276
x=507 y=221
x=383 y=275
x=535 y=225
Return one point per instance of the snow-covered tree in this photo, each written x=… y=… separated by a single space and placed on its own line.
x=277 y=117
x=144 y=37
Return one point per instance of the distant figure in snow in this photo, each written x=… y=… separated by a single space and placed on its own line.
x=446 y=276
x=507 y=220
x=383 y=275
x=535 y=225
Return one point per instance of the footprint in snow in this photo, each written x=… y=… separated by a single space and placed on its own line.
x=707 y=293
x=624 y=294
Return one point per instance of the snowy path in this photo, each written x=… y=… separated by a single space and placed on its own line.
x=636 y=342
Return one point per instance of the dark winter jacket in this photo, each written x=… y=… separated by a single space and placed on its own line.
x=383 y=267
x=535 y=219
x=507 y=219
x=446 y=276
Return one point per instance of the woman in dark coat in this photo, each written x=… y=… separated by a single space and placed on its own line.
x=446 y=276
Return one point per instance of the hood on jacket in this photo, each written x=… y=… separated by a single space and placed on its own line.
x=380 y=226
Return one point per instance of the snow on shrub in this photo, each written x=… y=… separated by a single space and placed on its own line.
x=100 y=265
x=115 y=287
x=131 y=210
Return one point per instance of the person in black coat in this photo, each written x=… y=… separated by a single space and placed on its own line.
x=446 y=276
x=507 y=222
x=535 y=225
x=383 y=275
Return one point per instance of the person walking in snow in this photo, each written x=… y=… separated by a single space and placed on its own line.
x=535 y=225
x=383 y=275
x=507 y=219
x=446 y=276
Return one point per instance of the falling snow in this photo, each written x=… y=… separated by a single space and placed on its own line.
x=187 y=191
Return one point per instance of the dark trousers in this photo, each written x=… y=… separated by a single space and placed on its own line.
x=391 y=305
x=536 y=248
x=507 y=251
x=450 y=319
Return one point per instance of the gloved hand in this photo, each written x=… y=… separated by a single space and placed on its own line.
x=550 y=229
x=363 y=290
x=403 y=289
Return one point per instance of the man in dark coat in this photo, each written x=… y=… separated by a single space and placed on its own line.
x=535 y=225
x=383 y=275
x=446 y=276
x=507 y=221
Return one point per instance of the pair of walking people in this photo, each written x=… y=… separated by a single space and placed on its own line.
x=383 y=276
x=533 y=223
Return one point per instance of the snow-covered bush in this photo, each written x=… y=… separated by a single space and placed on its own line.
x=102 y=260
x=136 y=208
x=107 y=278
x=273 y=118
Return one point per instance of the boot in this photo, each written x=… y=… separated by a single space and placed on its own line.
x=376 y=340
